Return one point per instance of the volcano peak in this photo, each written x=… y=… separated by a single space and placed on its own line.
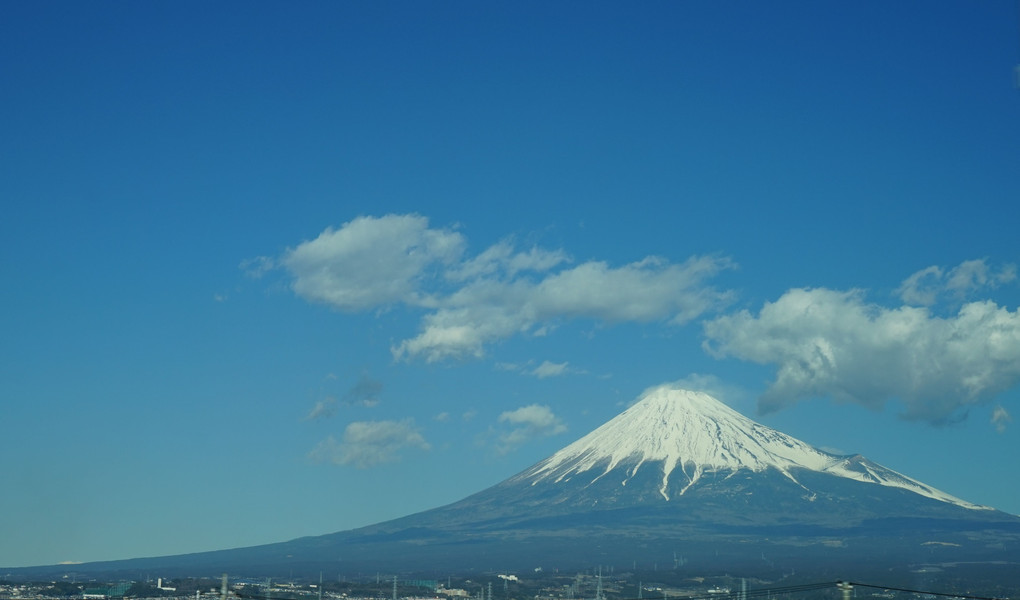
x=688 y=433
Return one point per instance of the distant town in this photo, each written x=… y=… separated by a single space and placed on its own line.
x=596 y=584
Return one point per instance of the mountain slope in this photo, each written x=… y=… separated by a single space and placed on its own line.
x=678 y=470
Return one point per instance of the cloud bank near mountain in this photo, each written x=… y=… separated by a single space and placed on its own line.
x=470 y=302
x=939 y=353
x=835 y=343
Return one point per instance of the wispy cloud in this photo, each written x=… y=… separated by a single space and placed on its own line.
x=542 y=371
x=374 y=263
x=504 y=259
x=257 y=267
x=487 y=310
x=323 y=409
x=1001 y=419
x=550 y=369
x=929 y=285
x=366 y=392
x=527 y=423
x=834 y=343
x=712 y=385
x=366 y=444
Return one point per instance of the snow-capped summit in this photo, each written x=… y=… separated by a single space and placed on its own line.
x=683 y=435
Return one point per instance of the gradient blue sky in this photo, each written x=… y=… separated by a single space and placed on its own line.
x=283 y=269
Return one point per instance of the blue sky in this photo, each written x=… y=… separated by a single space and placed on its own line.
x=274 y=270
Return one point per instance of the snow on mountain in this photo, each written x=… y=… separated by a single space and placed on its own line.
x=687 y=434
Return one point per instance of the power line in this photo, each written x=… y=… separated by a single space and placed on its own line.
x=795 y=589
x=745 y=595
x=810 y=587
x=893 y=589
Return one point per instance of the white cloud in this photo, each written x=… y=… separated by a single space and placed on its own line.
x=323 y=409
x=921 y=288
x=833 y=343
x=487 y=310
x=973 y=275
x=925 y=287
x=710 y=384
x=462 y=332
x=648 y=290
x=542 y=371
x=549 y=369
x=503 y=259
x=257 y=267
x=369 y=443
x=1001 y=419
x=370 y=262
x=533 y=415
x=527 y=423
x=374 y=263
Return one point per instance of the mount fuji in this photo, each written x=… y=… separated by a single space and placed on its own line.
x=685 y=436
x=677 y=474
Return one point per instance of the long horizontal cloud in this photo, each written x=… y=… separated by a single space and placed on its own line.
x=376 y=262
x=834 y=343
x=487 y=310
